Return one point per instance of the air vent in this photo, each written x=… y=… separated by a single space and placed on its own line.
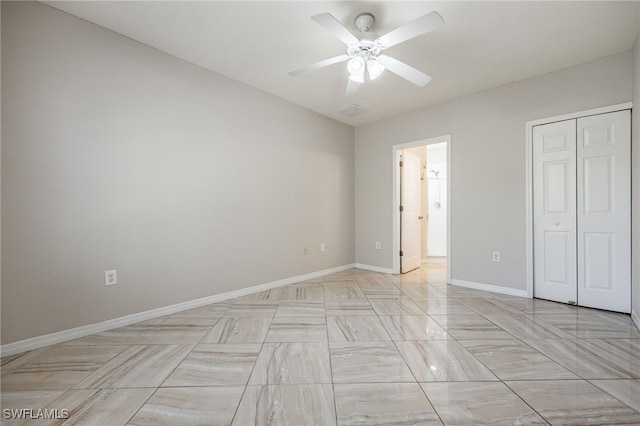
x=351 y=110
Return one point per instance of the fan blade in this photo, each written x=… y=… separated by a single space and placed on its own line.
x=318 y=65
x=403 y=70
x=352 y=88
x=422 y=25
x=332 y=24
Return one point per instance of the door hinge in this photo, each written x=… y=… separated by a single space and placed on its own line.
x=401 y=208
x=401 y=253
x=401 y=163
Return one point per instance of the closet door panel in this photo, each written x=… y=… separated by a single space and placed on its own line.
x=604 y=211
x=554 y=215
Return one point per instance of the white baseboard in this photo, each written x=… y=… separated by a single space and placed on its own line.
x=636 y=319
x=85 y=330
x=374 y=268
x=490 y=287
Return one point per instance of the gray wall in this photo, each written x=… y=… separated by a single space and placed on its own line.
x=488 y=165
x=635 y=184
x=118 y=156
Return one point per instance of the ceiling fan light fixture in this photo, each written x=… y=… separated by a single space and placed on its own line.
x=374 y=68
x=356 y=65
x=356 y=68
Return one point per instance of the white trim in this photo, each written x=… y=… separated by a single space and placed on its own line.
x=449 y=179
x=636 y=319
x=490 y=287
x=85 y=330
x=529 y=176
x=395 y=200
x=528 y=167
x=374 y=268
x=580 y=114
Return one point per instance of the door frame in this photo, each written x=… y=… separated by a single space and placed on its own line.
x=529 y=175
x=395 y=214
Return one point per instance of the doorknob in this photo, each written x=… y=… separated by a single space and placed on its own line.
x=420 y=217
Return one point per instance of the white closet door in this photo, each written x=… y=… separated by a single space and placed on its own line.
x=604 y=211
x=554 y=211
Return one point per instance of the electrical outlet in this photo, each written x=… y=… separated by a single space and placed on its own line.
x=306 y=251
x=377 y=245
x=321 y=247
x=495 y=256
x=111 y=277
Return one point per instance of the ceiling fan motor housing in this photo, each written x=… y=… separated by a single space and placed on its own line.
x=365 y=48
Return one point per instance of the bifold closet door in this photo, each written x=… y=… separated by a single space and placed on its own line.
x=582 y=211
x=554 y=217
x=604 y=211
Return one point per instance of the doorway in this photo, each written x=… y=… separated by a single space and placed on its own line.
x=422 y=205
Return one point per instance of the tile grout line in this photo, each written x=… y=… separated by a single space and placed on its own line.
x=246 y=387
x=333 y=384
x=612 y=396
x=435 y=410
x=499 y=378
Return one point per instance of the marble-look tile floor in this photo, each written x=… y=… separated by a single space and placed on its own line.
x=352 y=348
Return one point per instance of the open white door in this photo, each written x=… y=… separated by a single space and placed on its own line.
x=604 y=211
x=409 y=212
x=554 y=211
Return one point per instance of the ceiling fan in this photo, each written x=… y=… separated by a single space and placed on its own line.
x=364 y=51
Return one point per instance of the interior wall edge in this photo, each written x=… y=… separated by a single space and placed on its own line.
x=635 y=185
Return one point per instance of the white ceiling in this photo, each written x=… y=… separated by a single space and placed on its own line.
x=481 y=45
